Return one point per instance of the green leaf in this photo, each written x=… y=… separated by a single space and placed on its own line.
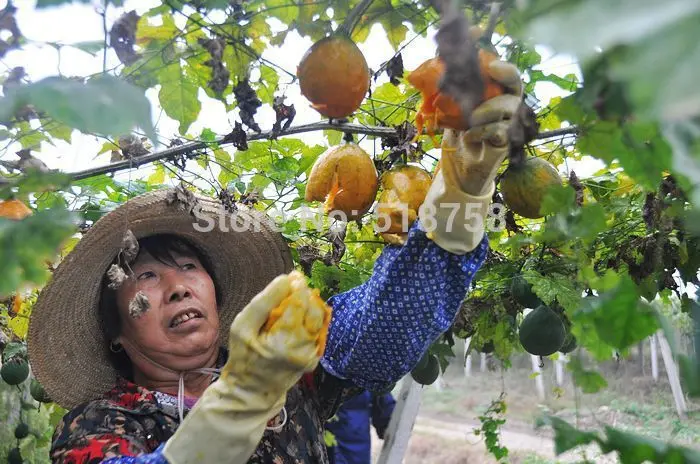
x=26 y=244
x=621 y=318
x=51 y=3
x=567 y=437
x=568 y=83
x=588 y=381
x=166 y=31
x=158 y=177
x=268 y=84
x=92 y=47
x=14 y=349
x=178 y=95
x=28 y=137
x=554 y=287
x=59 y=131
x=103 y=105
x=283 y=10
x=662 y=36
x=638 y=449
x=308 y=157
x=207 y=135
x=238 y=61
x=331 y=280
x=333 y=136
x=557 y=199
x=640 y=150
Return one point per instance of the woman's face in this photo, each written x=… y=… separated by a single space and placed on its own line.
x=180 y=328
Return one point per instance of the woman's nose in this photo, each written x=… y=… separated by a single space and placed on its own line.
x=176 y=289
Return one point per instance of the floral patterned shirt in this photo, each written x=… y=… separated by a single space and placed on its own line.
x=379 y=330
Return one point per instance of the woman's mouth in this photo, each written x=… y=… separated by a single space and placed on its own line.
x=184 y=316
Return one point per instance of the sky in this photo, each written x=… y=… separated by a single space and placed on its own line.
x=78 y=22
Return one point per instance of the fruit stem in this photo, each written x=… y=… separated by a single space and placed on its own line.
x=352 y=18
x=494 y=14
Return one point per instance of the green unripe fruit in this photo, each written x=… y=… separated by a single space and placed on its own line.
x=38 y=393
x=542 y=332
x=21 y=431
x=486 y=348
x=522 y=292
x=428 y=372
x=570 y=345
x=15 y=372
x=14 y=456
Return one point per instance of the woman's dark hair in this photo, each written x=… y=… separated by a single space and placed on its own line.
x=161 y=247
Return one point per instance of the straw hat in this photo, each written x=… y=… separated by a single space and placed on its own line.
x=67 y=348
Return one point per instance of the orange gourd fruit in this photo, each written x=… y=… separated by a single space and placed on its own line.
x=14 y=209
x=302 y=312
x=438 y=110
x=334 y=76
x=345 y=179
x=403 y=191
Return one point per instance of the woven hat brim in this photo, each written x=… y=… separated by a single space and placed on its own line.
x=66 y=346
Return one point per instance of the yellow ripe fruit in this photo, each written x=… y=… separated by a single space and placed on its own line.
x=403 y=192
x=303 y=312
x=345 y=179
x=14 y=209
x=334 y=76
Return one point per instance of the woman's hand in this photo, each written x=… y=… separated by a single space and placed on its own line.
x=277 y=337
x=280 y=335
x=455 y=208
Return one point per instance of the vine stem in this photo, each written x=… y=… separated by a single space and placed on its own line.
x=493 y=20
x=353 y=17
x=173 y=152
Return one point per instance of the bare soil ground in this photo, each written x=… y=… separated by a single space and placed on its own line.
x=632 y=401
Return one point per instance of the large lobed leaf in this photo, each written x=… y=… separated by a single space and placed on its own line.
x=103 y=105
x=28 y=243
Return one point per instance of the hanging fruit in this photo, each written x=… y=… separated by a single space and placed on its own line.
x=15 y=371
x=427 y=370
x=14 y=209
x=345 y=179
x=14 y=456
x=21 y=431
x=521 y=290
x=542 y=332
x=403 y=191
x=524 y=184
x=334 y=76
x=570 y=344
x=438 y=110
x=38 y=393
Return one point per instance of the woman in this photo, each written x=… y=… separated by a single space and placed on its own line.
x=165 y=344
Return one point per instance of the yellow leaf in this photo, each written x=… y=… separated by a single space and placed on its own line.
x=20 y=323
x=145 y=32
x=157 y=177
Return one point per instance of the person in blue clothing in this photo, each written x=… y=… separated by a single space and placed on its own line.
x=351 y=427
x=169 y=342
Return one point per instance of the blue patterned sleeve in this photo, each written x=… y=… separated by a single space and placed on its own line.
x=380 y=329
x=156 y=457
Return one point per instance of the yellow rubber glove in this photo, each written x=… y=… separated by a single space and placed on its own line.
x=276 y=338
x=455 y=208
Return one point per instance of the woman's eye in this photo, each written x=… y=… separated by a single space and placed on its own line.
x=188 y=266
x=146 y=275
